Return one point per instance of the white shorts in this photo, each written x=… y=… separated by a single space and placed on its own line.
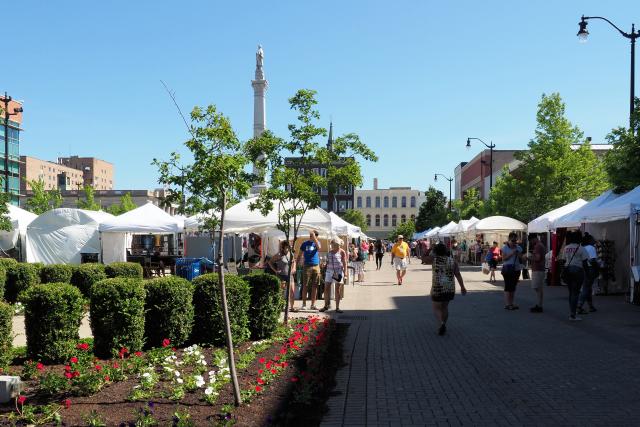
x=537 y=279
x=328 y=276
x=400 y=263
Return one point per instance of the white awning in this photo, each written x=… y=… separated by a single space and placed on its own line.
x=498 y=223
x=577 y=217
x=146 y=219
x=543 y=222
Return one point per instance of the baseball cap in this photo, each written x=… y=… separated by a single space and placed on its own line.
x=400 y=236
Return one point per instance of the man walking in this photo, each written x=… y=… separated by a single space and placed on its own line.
x=311 y=271
x=400 y=252
x=538 y=272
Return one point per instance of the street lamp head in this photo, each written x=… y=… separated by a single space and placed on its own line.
x=583 y=33
x=468 y=143
x=435 y=177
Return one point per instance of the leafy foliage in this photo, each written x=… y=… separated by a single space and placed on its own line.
x=53 y=313
x=356 y=218
x=5 y=222
x=124 y=269
x=89 y=203
x=621 y=161
x=56 y=273
x=266 y=304
x=20 y=277
x=3 y=280
x=169 y=310
x=126 y=204
x=406 y=229
x=433 y=212
x=6 y=334
x=85 y=275
x=208 y=327
x=551 y=173
x=470 y=205
x=41 y=199
x=117 y=315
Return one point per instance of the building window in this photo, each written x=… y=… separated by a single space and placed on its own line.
x=324 y=204
x=386 y=201
x=377 y=220
x=394 y=220
x=413 y=201
x=368 y=220
x=385 y=220
x=377 y=201
x=368 y=201
x=403 y=219
x=359 y=201
x=404 y=202
x=394 y=202
x=349 y=204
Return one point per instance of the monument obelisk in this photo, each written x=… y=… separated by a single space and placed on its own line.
x=260 y=86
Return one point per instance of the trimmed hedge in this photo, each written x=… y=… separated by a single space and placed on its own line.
x=52 y=316
x=117 y=315
x=56 y=273
x=7 y=262
x=266 y=304
x=6 y=333
x=85 y=275
x=124 y=269
x=3 y=280
x=20 y=277
x=208 y=325
x=169 y=311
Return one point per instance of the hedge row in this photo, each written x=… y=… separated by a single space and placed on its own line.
x=6 y=333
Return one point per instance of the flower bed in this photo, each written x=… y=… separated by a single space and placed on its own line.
x=189 y=386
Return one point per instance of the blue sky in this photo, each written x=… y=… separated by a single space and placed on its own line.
x=413 y=78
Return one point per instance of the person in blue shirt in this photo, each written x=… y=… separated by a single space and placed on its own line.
x=311 y=271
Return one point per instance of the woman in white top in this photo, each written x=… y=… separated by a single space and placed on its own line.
x=336 y=274
x=574 y=256
x=591 y=272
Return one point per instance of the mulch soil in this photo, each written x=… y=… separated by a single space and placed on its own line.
x=272 y=407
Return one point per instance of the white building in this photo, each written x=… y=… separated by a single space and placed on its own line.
x=385 y=208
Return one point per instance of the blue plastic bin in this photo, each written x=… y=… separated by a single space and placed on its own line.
x=188 y=268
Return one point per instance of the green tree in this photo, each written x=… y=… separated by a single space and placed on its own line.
x=433 y=211
x=621 y=161
x=216 y=175
x=293 y=185
x=470 y=205
x=406 y=229
x=89 y=203
x=42 y=200
x=356 y=218
x=5 y=222
x=126 y=204
x=551 y=173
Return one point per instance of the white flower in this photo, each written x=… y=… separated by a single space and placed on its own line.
x=208 y=391
x=179 y=380
x=177 y=373
x=146 y=375
x=168 y=368
x=212 y=373
x=203 y=362
x=199 y=380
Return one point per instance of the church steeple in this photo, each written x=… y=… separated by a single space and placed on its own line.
x=330 y=140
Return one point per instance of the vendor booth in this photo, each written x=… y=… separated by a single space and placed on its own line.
x=12 y=242
x=65 y=236
x=495 y=229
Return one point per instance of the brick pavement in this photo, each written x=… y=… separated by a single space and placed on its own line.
x=494 y=367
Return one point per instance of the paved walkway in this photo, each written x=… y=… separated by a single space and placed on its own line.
x=494 y=367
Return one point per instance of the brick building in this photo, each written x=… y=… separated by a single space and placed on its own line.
x=96 y=173
x=69 y=173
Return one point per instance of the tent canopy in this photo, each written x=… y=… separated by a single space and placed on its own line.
x=421 y=235
x=577 y=217
x=193 y=223
x=464 y=225
x=143 y=220
x=543 y=222
x=20 y=219
x=448 y=229
x=343 y=228
x=433 y=232
x=241 y=219
x=620 y=208
x=498 y=223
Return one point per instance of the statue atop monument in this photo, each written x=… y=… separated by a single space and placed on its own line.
x=259 y=57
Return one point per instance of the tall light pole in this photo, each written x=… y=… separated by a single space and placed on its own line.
x=435 y=178
x=490 y=146
x=632 y=36
x=7 y=114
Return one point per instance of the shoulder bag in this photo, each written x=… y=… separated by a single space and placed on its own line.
x=564 y=276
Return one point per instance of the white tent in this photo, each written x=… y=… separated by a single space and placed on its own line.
x=577 y=217
x=617 y=209
x=147 y=219
x=195 y=222
x=240 y=219
x=498 y=224
x=464 y=225
x=341 y=227
x=543 y=222
x=421 y=235
x=60 y=236
x=448 y=230
x=433 y=232
x=20 y=219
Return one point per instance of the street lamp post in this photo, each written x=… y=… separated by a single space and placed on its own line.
x=435 y=178
x=490 y=146
x=7 y=114
x=632 y=36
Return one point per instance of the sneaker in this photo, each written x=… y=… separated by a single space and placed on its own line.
x=592 y=310
x=323 y=309
x=536 y=309
x=313 y=307
x=573 y=318
x=442 y=329
x=304 y=307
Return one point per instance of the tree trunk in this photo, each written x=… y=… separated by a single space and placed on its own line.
x=223 y=293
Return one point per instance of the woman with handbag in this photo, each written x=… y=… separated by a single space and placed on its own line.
x=575 y=256
x=511 y=267
x=591 y=273
x=336 y=275
x=279 y=264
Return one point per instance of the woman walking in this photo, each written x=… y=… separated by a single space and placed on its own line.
x=443 y=288
x=336 y=274
x=379 y=253
x=371 y=251
x=591 y=273
x=573 y=274
x=356 y=262
x=492 y=259
x=511 y=266
x=280 y=264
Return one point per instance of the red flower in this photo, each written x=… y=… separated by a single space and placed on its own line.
x=98 y=368
x=268 y=365
x=123 y=351
x=260 y=371
x=262 y=360
x=76 y=374
x=107 y=378
x=260 y=381
x=283 y=351
x=294 y=379
x=166 y=342
x=74 y=359
x=138 y=354
x=276 y=358
x=115 y=365
x=306 y=328
x=83 y=346
x=67 y=368
x=21 y=400
x=39 y=366
x=258 y=388
x=69 y=375
x=66 y=403
x=273 y=371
